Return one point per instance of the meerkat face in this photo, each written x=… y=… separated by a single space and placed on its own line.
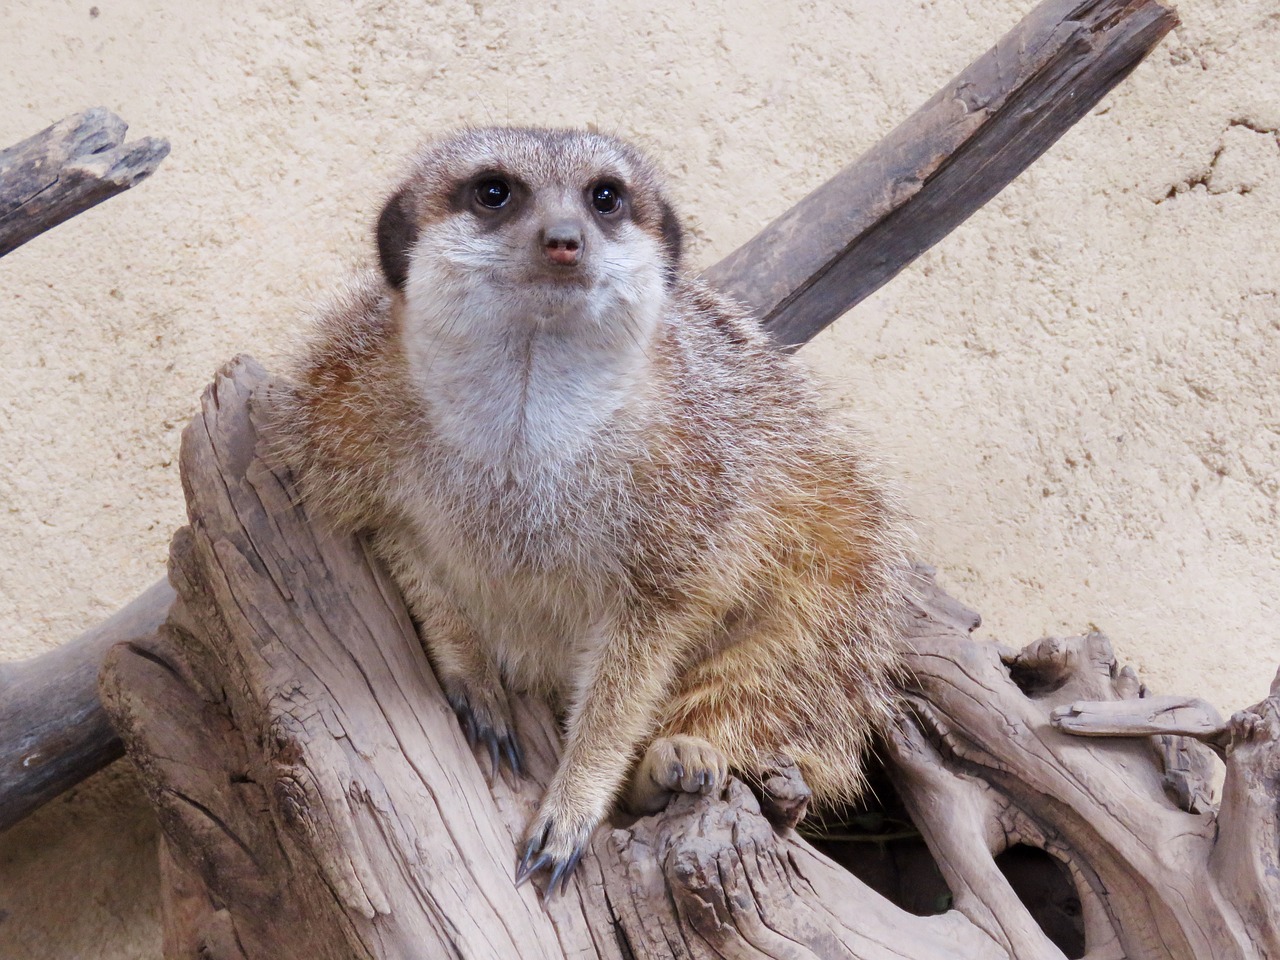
x=501 y=231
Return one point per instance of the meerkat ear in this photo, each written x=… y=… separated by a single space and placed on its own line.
x=672 y=239
x=397 y=231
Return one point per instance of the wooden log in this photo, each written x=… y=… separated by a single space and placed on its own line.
x=67 y=168
x=53 y=732
x=319 y=799
x=854 y=233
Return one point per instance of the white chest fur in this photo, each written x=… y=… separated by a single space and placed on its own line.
x=525 y=400
x=531 y=402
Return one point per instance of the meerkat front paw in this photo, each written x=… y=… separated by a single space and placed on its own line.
x=485 y=715
x=557 y=838
x=677 y=764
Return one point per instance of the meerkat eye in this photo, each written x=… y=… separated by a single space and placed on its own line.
x=606 y=198
x=493 y=193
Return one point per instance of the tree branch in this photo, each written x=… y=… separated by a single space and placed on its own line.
x=854 y=233
x=67 y=168
x=53 y=731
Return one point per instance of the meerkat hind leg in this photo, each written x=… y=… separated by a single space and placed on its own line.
x=675 y=764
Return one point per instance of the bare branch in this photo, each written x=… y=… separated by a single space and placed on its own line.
x=858 y=230
x=53 y=732
x=67 y=168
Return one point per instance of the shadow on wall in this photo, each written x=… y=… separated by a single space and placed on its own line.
x=880 y=845
x=79 y=877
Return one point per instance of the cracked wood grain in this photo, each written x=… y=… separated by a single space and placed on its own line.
x=67 y=168
x=308 y=771
x=1150 y=716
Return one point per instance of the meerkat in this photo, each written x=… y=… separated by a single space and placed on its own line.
x=594 y=478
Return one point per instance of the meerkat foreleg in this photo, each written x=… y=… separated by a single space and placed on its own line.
x=612 y=712
x=473 y=685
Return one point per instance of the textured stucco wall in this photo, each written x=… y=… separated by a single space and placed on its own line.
x=1079 y=386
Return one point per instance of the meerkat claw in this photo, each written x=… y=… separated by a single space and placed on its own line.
x=500 y=744
x=528 y=866
x=468 y=721
x=528 y=869
x=491 y=739
x=535 y=855
x=514 y=755
x=563 y=872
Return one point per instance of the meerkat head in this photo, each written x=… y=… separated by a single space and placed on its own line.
x=503 y=230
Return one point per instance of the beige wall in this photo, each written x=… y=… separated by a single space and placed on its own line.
x=1079 y=386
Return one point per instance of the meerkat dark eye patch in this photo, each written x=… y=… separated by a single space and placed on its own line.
x=672 y=238
x=397 y=231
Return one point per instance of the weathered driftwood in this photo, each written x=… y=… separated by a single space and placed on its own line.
x=53 y=731
x=67 y=168
x=313 y=783
x=855 y=232
x=319 y=799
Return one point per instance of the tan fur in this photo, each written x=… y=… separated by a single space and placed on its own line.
x=640 y=508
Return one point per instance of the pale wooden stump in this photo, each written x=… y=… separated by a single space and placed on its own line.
x=319 y=799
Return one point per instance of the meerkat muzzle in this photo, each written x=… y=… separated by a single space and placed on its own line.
x=562 y=243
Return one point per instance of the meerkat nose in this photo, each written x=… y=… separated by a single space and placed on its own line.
x=562 y=243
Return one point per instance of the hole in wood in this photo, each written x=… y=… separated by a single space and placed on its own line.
x=1044 y=885
x=1038 y=678
x=878 y=844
